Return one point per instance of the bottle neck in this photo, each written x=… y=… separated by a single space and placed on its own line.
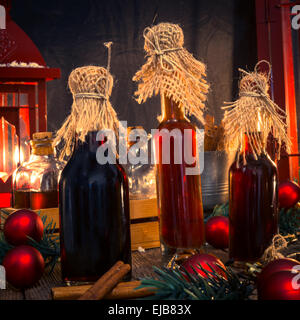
x=171 y=110
x=42 y=149
x=249 y=141
x=90 y=144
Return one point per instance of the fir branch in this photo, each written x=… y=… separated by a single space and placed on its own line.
x=219 y=210
x=181 y=285
x=289 y=221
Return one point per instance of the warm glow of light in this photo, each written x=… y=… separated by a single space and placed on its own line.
x=259 y=122
x=16 y=155
x=21 y=156
x=4 y=159
x=34 y=176
x=4 y=176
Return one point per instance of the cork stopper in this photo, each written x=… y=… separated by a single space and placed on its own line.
x=42 y=135
x=41 y=143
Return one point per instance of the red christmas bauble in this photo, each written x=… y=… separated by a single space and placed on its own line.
x=206 y=261
x=217 y=232
x=24 y=266
x=275 y=266
x=288 y=194
x=21 y=224
x=281 y=285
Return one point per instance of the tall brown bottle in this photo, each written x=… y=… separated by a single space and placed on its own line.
x=179 y=195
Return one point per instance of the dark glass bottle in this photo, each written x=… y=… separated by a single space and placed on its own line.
x=179 y=196
x=253 y=206
x=94 y=214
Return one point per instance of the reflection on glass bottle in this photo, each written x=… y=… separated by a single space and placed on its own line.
x=35 y=183
x=253 y=205
x=141 y=176
x=94 y=214
x=179 y=195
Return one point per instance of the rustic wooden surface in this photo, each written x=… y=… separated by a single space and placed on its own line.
x=142 y=263
x=142 y=267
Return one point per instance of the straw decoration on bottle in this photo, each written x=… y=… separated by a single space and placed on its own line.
x=255 y=114
x=91 y=88
x=171 y=70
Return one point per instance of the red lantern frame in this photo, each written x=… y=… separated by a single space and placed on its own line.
x=274 y=43
x=22 y=71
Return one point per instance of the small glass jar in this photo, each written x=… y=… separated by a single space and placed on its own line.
x=35 y=183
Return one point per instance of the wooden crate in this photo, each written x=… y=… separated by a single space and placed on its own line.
x=144 y=222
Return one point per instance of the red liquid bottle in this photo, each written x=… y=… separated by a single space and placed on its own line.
x=179 y=196
x=253 y=206
x=94 y=214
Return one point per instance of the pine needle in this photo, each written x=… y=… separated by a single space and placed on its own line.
x=173 y=285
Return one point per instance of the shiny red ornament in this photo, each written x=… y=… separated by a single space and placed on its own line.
x=281 y=285
x=288 y=194
x=284 y=264
x=24 y=266
x=277 y=265
x=217 y=232
x=206 y=261
x=21 y=224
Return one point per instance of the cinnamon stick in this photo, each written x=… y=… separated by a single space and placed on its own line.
x=123 y=290
x=107 y=282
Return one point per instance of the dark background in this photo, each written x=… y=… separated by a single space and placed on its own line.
x=70 y=33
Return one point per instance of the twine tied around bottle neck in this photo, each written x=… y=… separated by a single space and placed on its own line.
x=255 y=114
x=91 y=87
x=171 y=70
